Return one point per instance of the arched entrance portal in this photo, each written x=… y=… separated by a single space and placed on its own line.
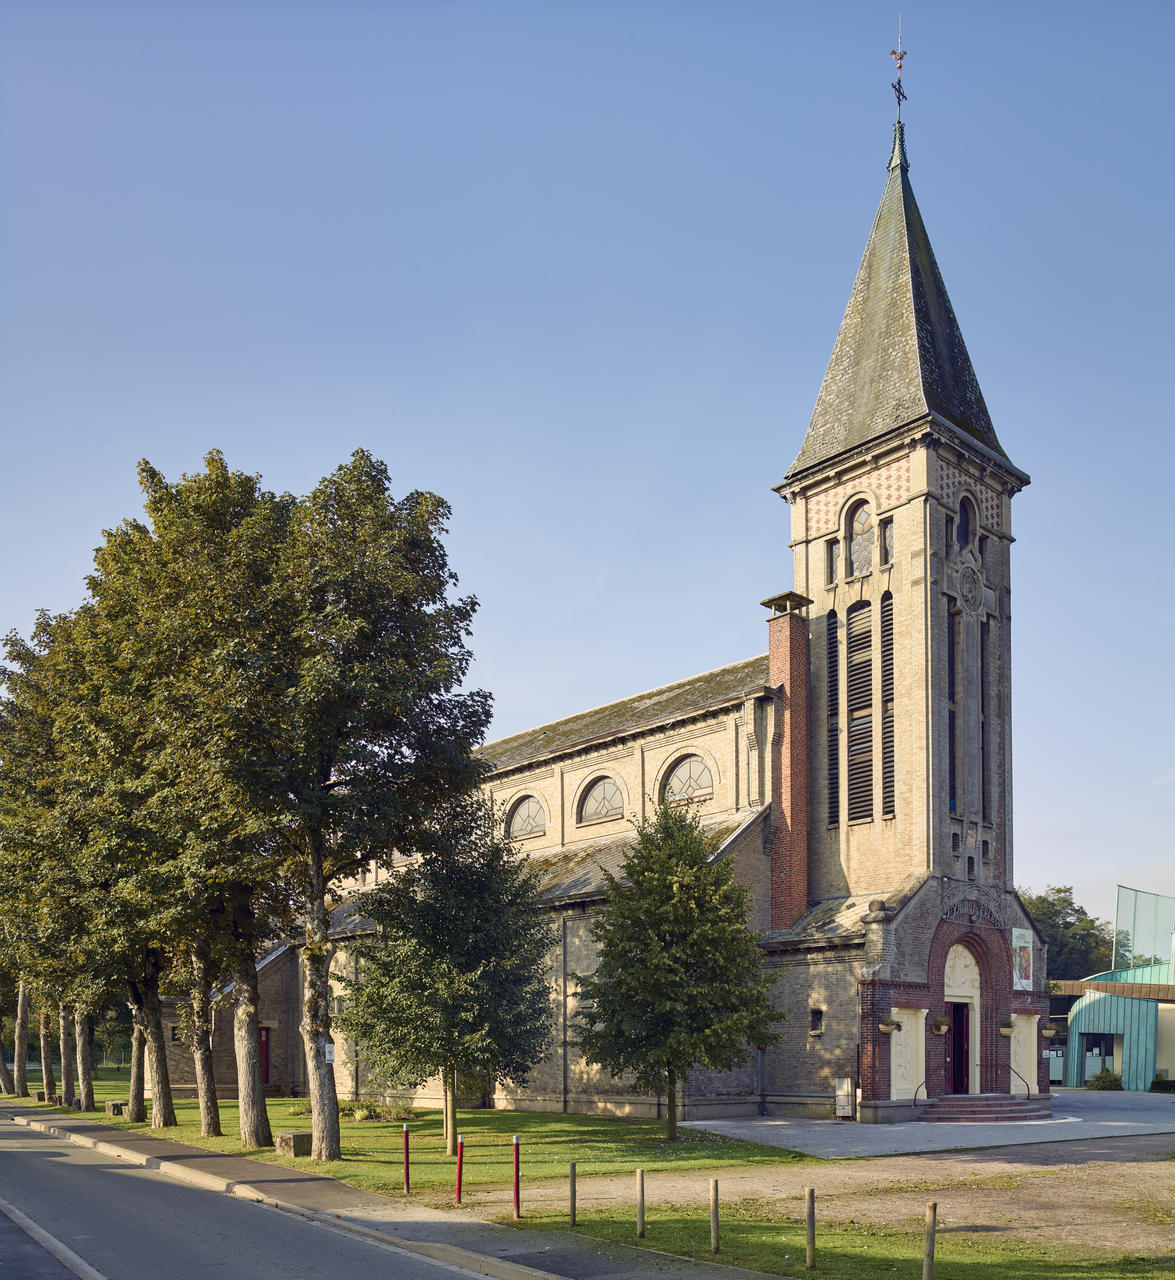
x=961 y=992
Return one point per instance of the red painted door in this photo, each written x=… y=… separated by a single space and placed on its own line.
x=264 y=1032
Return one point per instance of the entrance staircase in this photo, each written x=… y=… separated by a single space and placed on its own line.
x=983 y=1108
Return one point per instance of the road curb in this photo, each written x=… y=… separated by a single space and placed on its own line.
x=479 y=1263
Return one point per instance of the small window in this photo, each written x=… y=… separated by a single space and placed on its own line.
x=831 y=561
x=954 y=842
x=970 y=868
x=603 y=800
x=887 y=542
x=860 y=540
x=986 y=850
x=690 y=779
x=175 y=1034
x=982 y=547
x=815 y=1022
x=528 y=818
x=966 y=527
x=950 y=534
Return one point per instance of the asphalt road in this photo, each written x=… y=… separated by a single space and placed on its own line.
x=135 y=1224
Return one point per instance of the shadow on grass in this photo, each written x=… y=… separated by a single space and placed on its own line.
x=865 y=1254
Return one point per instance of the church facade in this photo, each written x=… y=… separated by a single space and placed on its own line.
x=859 y=773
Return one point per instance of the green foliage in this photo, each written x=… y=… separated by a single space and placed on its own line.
x=457 y=972
x=1106 y=1079
x=1160 y=1084
x=1079 y=944
x=678 y=983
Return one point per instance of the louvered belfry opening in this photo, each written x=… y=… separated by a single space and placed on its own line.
x=887 y=707
x=984 y=728
x=859 y=680
x=952 y=684
x=831 y=660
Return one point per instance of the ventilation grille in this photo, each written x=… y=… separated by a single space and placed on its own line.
x=860 y=698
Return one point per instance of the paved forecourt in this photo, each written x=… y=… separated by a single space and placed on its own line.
x=1077 y=1113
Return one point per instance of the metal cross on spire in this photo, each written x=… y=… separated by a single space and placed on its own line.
x=897 y=55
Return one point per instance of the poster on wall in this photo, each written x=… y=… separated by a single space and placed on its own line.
x=1022 y=959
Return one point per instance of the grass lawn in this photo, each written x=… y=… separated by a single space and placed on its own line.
x=754 y=1236
x=373 y=1150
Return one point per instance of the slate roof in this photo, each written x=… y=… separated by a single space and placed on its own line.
x=899 y=355
x=671 y=701
x=578 y=871
x=840 y=919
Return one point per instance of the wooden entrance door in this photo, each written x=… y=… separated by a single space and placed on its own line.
x=958 y=1049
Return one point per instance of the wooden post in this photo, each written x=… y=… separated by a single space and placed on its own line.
x=460 y=1162
x=928 y=1249
x=517 y=1188
x=810 y=1224
x=572 y=1213
x=640 y=1204
x=713 y=1215
x=407 y=1179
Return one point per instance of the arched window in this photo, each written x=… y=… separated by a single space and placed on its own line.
x=527 y=818
x=860 y=538
x=602 y=800
x=690 y=779
x=965 y=529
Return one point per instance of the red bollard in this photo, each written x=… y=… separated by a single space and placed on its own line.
x=460 y=1163
x=407 y=1180
x=517 y=1196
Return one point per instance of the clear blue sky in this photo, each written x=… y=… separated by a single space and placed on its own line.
x=577 y=265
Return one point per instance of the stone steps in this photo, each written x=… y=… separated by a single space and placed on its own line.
x=982 y=1108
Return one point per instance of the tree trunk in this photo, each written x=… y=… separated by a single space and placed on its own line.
x=6 y=1081
x=81 y=1037
x=136 y=1110
x=450 y=1075
x=671 y=1105
x=255 y=1130
x=20 y=1048
x=162 y=1108
x=315 y=1026
x=65 y=1047
x=202 y=1046
x=48 y=1084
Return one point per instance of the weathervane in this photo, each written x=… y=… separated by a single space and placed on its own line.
x=897 y=55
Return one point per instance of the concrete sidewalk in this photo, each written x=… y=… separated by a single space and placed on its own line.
x=478 y=1246
x=1077 y=1113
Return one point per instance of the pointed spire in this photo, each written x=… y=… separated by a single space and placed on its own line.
x=898 y=159
x=899 y=355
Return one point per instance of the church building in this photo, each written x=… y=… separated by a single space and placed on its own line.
x=858 y=774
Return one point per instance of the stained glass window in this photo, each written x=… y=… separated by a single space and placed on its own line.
x=603 y=800
x=527 y=818
x=860 y=541
x=690 y=779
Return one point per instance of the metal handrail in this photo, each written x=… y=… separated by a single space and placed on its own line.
x=921 y=1086
x=1027 y=1087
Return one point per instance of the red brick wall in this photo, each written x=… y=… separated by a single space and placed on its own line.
x=787 y=667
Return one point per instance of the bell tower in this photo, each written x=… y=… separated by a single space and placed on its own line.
x=901 y=532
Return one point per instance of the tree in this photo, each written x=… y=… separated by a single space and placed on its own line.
x=679 y=982
x=455 y=980
x=1078 y=943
